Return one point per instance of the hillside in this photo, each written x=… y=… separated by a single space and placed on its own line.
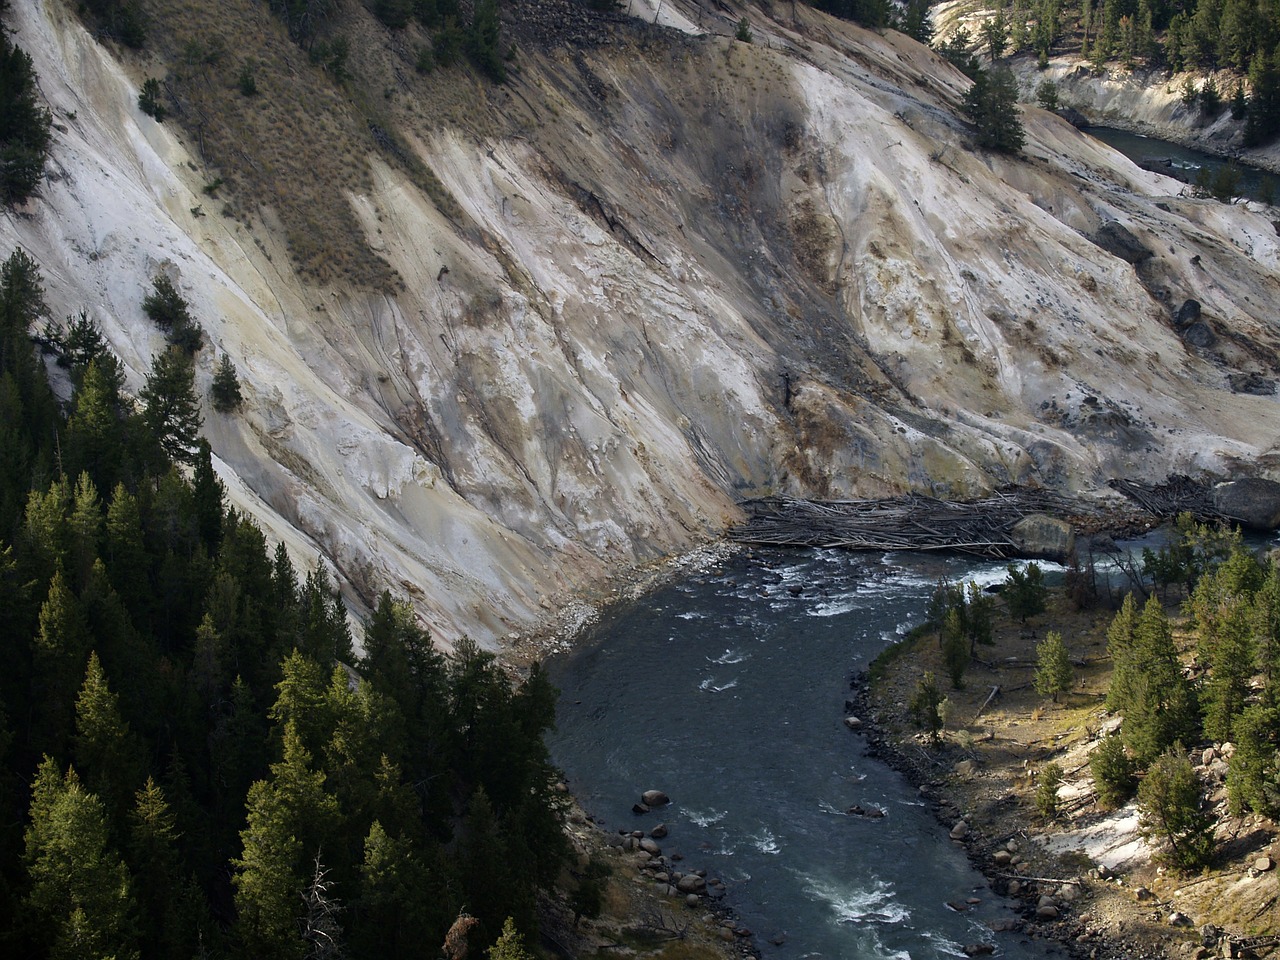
x=500 y=343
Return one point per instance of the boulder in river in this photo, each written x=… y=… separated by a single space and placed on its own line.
x=1044 y=537
x=1254 y=502
x=654 y=798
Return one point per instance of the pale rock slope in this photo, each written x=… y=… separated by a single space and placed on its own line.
x=710 y=270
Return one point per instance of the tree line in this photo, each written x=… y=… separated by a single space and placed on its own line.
x=1242 y=36
x=195 y=761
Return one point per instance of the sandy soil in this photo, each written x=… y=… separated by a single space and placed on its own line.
x=1108 y=897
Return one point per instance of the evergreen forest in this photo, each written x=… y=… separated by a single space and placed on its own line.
x=195 y=762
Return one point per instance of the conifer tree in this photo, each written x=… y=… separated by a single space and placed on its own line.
x=1112 y=771
x=225 y=389
x=1054 y=673
x=289 y=816
x=1024 y=591
x=1162 y=708
x=992 y=105
x=1169 y=804
x=60 y=651
x=171 y=411
x=1253 y=773
x=80 y=899
x=105 y=749
x=1120 y=646
x=510 y=946
x=24 y=125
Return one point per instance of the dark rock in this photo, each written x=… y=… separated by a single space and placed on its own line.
x=1188 y=313
x=979 y=949
x=1254 y=502
x=654 y=798
x=1252 y=383
x=1119 y=241
x=1198 y=334
x=639 y=808
x=1073 y=117
x=658 y=832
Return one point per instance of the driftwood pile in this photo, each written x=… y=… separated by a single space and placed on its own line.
x=984 y=527
x=1178 y=494
x=913 y=522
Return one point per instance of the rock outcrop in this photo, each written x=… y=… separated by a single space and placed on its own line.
x=657 y=272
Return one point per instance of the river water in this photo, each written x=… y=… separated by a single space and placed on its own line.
x=1185 y=163
x=726 y=690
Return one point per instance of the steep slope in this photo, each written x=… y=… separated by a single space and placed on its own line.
x=675 y=270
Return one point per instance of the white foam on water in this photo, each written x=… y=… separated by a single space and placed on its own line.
x=729 y=657
x=709 y=685
x=705 y=818
x=692 y=615
x=857 y=905
x=943 y=945
x=834 y=606
x=765 y=841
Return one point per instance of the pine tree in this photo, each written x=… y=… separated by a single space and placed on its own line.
x=171 y=411
x=1169 y=805
x=1231 y=667
x=225 y=389
x=60 y=651
x=1162 y=708
x=156 y=865
x=1120 y=644
x=80 y=898
x=1054 y=673
x=96 y=434
x=289 y=816
x=24 y=125
x=510 y=945
x=1253 y=774
x=1024 y=590
x=85 y=528
x=208 y=495
x=105 y=749
x=992 y=104
x=1112 y=770
x=1047 y=791
x=925 y=706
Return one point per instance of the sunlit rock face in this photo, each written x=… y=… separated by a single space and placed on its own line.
x=710 y=270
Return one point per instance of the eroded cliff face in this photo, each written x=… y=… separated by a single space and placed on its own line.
x=689 y=270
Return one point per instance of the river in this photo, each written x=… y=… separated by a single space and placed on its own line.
x=726 y=690
x=1185 y=163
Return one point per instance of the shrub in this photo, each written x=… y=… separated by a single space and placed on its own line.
x=743 y=33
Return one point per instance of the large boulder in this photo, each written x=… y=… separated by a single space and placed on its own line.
x=1043 y=537
x=1253 y=502
x=1115 y=238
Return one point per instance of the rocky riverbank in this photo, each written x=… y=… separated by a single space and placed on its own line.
x=1084 y=879
x=653 y=902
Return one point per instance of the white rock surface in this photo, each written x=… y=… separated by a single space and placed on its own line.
x=574 y=398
